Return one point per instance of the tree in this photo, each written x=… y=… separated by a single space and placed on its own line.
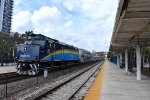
x=29 y=33
x=146 y=54
x=8 y=43
x=7 y=46
x=4 y=41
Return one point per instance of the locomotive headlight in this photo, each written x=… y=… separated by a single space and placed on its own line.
x=36 y=57
x=25 y=49
x=16 y=57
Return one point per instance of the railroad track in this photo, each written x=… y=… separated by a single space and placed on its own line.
x=52 y=94
x=13 y=83
x=7 y=75
x=11 y=77
x=72 y=96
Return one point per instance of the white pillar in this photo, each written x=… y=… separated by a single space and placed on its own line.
x=118 y=61
x=126 y=60
x=121 y=58
x=138 y=62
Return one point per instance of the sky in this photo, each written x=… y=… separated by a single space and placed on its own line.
x=86 y=24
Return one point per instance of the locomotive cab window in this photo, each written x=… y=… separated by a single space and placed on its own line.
x=35 y=42
x=39 y=42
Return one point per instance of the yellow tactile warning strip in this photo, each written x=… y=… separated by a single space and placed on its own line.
x=10 y=71
x=95 y=89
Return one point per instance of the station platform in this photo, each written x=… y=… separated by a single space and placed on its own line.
x=112 y=83
x=7 y=69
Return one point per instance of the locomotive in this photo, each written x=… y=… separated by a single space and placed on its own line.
x=39 y=51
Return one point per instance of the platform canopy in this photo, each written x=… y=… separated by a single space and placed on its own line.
x=132 y=25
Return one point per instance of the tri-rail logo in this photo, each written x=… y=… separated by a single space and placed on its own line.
x=25 y=56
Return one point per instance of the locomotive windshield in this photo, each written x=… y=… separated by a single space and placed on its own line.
x=35 y=42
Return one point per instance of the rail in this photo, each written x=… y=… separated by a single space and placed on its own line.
x=67 y=81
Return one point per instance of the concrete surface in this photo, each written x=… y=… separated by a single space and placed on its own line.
x=118 y=85
x=7 y=68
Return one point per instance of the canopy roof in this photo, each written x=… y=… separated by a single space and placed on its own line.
x=132 y=25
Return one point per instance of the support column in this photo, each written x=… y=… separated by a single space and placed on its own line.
x=126 y=60
x=118 y=61
x=138 y=62
x=121 y=58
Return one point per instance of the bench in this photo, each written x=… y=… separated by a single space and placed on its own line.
x=122 y=66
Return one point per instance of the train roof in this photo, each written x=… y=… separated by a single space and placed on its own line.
x=42 y=37
x=84 y=50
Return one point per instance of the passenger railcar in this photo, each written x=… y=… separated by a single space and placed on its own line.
x=85 y=56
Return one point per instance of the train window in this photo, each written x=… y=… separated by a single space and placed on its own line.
x=28 y=42
x=29 y=37
x=38 y=42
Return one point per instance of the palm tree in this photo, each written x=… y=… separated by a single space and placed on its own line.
x=29 y=33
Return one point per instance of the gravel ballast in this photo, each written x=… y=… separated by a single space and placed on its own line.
x=35 y=90
x=66 y=91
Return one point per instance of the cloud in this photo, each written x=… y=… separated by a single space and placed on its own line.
x=16 y=2
x=68 y=24
x=21 y=21
x=86 y=24
x=46 y=19
x=98 y=8
x=69 y=6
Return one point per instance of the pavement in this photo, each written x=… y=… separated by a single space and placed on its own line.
x=7 y=69
x=119 y=85
x=95 y=89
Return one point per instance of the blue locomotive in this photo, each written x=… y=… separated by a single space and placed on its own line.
x=39 y=51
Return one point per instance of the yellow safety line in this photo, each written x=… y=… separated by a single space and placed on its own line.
x=10 y=71
x=95 y=89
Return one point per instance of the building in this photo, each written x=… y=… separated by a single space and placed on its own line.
x=102 y=54
x=6 y=8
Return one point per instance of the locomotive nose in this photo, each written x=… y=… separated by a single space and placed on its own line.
x=26 y=52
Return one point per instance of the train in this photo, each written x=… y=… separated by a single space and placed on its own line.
x=39 y=51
